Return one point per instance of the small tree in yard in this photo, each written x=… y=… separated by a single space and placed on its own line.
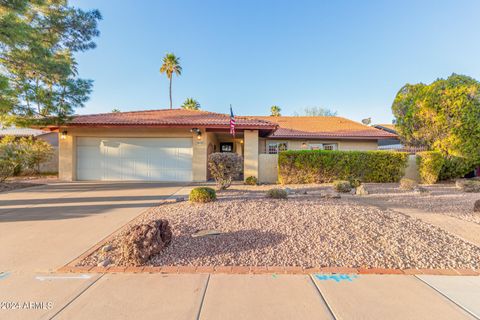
x=24 y=154
x=6 y=169
x=36 y=153
x=224 y=167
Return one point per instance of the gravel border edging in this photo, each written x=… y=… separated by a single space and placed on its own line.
x=265 y=270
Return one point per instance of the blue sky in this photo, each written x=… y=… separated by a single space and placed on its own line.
x=349 y=56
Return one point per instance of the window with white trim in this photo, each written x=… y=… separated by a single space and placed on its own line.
x=276 y=147
x=330 y=146
x=323 y=146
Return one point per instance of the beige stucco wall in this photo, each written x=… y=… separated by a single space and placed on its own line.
x=250 y=154
x=345 y=145
x=268 y=168
x=67 y=147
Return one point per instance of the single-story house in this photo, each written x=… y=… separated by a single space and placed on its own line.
x=173 y=145
x=391 y=143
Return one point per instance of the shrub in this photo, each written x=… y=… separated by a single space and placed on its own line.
x=408 y=184
x=252 y=181
x=6 y=169
x=277 y=193
x=468 y=185
x=202 y=194
x=342 y=186
x=429 y=165
x=144 y=241
x=224 y=167
x=321 y=166
x=354 y=183
x=455 y=167
x=25 y=153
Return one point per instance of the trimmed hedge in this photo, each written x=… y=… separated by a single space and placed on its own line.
x=455 y=167
x=323 y=166
x=430 y=164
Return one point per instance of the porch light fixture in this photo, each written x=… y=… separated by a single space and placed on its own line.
x=63 y=135
x=304 y=145
x=198 y=132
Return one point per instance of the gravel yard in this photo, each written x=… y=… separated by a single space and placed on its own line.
x=441 y=198
x=305 y=230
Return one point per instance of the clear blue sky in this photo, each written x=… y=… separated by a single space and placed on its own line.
x=349 y=56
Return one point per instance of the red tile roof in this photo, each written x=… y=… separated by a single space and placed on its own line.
x=169 y=118
x=323 y=128
x=288 y=127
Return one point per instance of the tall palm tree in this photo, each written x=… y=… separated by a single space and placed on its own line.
x=171 y=65
x=275 y=111
x=191 y=104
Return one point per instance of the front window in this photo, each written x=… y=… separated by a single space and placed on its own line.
x=323 y=146
x=276 y=147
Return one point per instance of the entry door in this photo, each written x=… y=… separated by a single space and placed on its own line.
x=148 y=159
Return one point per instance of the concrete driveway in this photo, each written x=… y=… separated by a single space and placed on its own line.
x=43 y=228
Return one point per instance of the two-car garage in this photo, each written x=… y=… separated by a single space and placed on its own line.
x=145 y=159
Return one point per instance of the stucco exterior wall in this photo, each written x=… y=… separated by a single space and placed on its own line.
x=250 y=160
x=268 y=168
x=67 y=146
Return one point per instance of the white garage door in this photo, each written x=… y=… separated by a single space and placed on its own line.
x=154 y=159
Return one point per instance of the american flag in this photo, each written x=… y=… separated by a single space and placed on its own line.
x=232 y=122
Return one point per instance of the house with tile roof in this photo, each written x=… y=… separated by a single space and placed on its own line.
x=174 y=144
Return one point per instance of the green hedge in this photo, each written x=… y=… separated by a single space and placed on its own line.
x=456 y=167
x=320 y=166
x=430 y=164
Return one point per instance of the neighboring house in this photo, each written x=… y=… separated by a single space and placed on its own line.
x=48 y=136
x=173 y=145
x=391 y=143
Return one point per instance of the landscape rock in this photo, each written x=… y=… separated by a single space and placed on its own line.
x=104 y=263
x=107 y=248
x=361 y=191
x=143 y=241
x=288 y=190
x=420 y=190
x=476 y=206
x=468 y=185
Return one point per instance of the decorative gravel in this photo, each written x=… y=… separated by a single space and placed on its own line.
x=441 y=198
x=305 y=230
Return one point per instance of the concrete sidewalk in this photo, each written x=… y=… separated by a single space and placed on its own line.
x=217 y=296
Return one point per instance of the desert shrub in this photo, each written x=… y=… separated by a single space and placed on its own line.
x=252 y=181
x=202 y=194
x=224 y=167
x=468 y=185
x=6 y=169
x=354 y=183
x=342 y=186
x=429 y=166
x=277 y=193
x=455 y=167
x=143 y=241
x=26 y=154
x=321 y=166
x=408 y=184
x=36 y=152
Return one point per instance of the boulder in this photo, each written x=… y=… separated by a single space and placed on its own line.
x=143 y=241
x=468 y=185
x=476 y=206
x=361 y=191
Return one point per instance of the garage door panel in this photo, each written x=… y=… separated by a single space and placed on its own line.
x=155 y=159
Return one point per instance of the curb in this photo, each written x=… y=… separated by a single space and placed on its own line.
x=265 y=270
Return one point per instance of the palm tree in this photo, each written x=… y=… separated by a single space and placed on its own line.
x=191 y=104
x=171 y=65
x=275 y=111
